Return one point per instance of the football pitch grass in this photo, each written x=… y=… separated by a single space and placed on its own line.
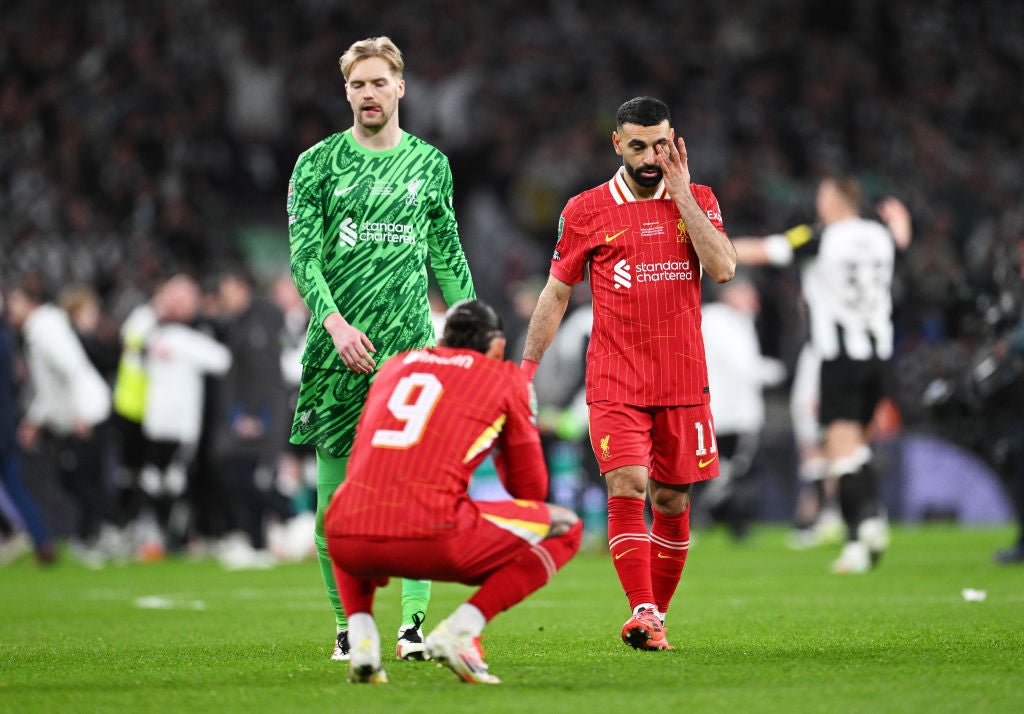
x=756 y=627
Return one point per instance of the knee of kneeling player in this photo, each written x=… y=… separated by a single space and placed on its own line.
x=564 y=545
x=562 y=519
x=566 y=525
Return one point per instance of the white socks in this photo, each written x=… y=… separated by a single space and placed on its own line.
x=649 y=606
x=467 y=620
x=644 y=606
x=363 y=636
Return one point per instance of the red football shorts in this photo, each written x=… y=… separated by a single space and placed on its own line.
x=485 y=538
x=677 y=444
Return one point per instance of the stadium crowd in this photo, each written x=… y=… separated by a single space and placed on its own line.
x=142 y=140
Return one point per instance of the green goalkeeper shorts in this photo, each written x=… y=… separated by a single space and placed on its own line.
x=328 y=409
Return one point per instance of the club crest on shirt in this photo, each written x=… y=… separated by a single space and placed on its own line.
x=412 y=191
x=681 y=234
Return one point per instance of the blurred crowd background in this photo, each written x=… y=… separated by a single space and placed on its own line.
x=142 y=139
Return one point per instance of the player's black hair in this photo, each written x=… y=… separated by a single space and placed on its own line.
x=471 y=324
x=645 y=111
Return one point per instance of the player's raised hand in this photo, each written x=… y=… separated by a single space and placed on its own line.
x=352 y=345
x=895 y=215
x=674 y=167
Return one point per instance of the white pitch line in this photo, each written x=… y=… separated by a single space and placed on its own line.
x=164 y=602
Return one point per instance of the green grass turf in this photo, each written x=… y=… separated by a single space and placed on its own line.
x=756 y=627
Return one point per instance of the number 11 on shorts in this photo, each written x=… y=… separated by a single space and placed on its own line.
x=702 y=448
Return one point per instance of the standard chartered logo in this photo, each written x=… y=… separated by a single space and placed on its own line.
x=663 y=271
x=375 y=232
x=625 y=274
x=387 y=233
x=623 y=278
x=347 y=232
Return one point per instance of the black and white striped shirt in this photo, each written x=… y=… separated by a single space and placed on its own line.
x=847 y=274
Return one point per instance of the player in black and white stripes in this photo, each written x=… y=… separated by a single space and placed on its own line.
x=847 y=272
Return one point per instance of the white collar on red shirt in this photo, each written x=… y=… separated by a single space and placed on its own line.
x=620 y=190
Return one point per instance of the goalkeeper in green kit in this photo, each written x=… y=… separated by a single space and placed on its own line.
x=366 y=207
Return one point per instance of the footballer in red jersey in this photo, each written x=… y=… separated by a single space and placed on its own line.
x=646 y=237
x=431 y=418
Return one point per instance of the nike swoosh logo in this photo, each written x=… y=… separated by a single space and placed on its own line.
x=702 y=463
x=619 y=555
x=665 y=557
x=340 y=191
x=609 y=239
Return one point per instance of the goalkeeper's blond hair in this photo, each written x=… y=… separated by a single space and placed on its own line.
x=381 y=47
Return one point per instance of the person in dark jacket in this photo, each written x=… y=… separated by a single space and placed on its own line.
x=10 y=458
x=253 y=404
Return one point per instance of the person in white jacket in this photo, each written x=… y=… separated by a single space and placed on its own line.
x=177 y=359
x=737 y=375
x=69 y=401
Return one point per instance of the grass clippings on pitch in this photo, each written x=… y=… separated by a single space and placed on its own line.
x=757 y=628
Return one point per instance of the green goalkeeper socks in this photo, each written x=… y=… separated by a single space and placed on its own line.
x=330 y=472
x=415 y=596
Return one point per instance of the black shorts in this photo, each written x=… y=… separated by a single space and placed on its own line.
x=134 y=445
x=850 y=390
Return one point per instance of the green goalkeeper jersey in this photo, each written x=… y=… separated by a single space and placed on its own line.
x=362 y=225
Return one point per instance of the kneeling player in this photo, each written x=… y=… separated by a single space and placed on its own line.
x=431 y=417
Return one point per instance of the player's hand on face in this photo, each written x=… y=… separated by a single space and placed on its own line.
x=674 y=167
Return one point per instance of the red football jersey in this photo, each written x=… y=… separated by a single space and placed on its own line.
x=431 y=417
x=646 y=347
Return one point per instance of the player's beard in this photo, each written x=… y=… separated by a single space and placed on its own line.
x=641 y=180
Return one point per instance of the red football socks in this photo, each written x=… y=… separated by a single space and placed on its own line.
x=670 y=542
x=356 y=594
x=630 y=547
x=511 y=584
